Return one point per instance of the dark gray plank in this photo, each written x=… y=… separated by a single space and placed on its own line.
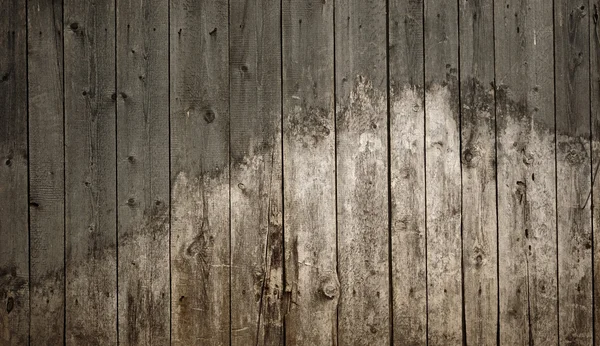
x=90 y=173
x=526 y=172
x=200 y=172
x=14 y=226
x=46 y=171
x=478 y=140
x=311 y=282
x=143 y=171
x=256 y=173
x=407 y=168
x=572 y=87
x=362 y=172
x=594 y=36
x=443 y=173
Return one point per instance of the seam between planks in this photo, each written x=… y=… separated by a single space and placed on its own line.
x=389 y=176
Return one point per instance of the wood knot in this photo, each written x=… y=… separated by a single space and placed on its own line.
x=74 y=26
x=209 y=116
x=330 y=288
x=10 y=304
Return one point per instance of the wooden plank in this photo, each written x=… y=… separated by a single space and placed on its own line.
x=443 y=174
x=200 y=173
x=256 y=173
x=572 y=83
x=594 y=36
x=14 y=225
x=46 y=171
x=312 y=285
x=362 y=172
x=478 y=140
x=143 y=172
x=90 y=173
x=407 y=168
x=526 y=172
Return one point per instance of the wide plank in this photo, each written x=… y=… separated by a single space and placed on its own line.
x=594 y=65
x=143 y=172
x=256 y=173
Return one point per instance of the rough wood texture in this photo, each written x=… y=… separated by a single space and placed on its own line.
x=362 y=172
x=143 y=172
x=594 y=29
x=256 y=174
x=14 y=227
x=572 y=100
x=311 y=282
x=526 y=172
x=90 y=173
x=443 y=174
x=46 y=172
x=200 y=236
x=407 y=168
x=478 y=140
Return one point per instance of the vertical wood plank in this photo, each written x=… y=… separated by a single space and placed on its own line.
x=256 y=173
x=200 y=172
x=526 y=172
x=362 y=172
x=571 y=47
x=46 y=171
x=14 y=225
x=90 y=173
x=443 y=174
x=407 y=168
x=143 y=172
x=478 y=140
x=312 y=286
x=594 y=30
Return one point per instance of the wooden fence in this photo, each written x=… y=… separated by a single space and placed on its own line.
x=299 y=172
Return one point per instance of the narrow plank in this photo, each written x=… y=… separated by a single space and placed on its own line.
x=143 y=172
x=14 y=225
x=594 y=36
x=362 y=172
x=200 y=238
x=90 y=173
x=46 y=171
x=407 y=168
x=526 y=172
x=443 y=174
x=311 y=282
x=256 y=173
x=571 y=47
x=478 y=138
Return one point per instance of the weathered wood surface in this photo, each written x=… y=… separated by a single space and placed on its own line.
x=265 y=172
x=90 y=173
x=573 y=170
x=478 y=163
x=362 y=172
x=256 y=173
x=443 y=174
x=407 y=172
x=46 y=172
x=526 y=172
x=200 y=238
x=311 y=282
x=143 y=172
x=14 y=224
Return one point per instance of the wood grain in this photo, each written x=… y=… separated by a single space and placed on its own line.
x=526 y=173
x=407 y=168
x=594 y=36
x=200 y=238
x=14 y=222
x=143 y=172
x=256 y=173
x=46 y=171
x=573 y=164
x=362 y=172
x=443 y=174
x=90 y=173
x=478 y=157
x=311 y=282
